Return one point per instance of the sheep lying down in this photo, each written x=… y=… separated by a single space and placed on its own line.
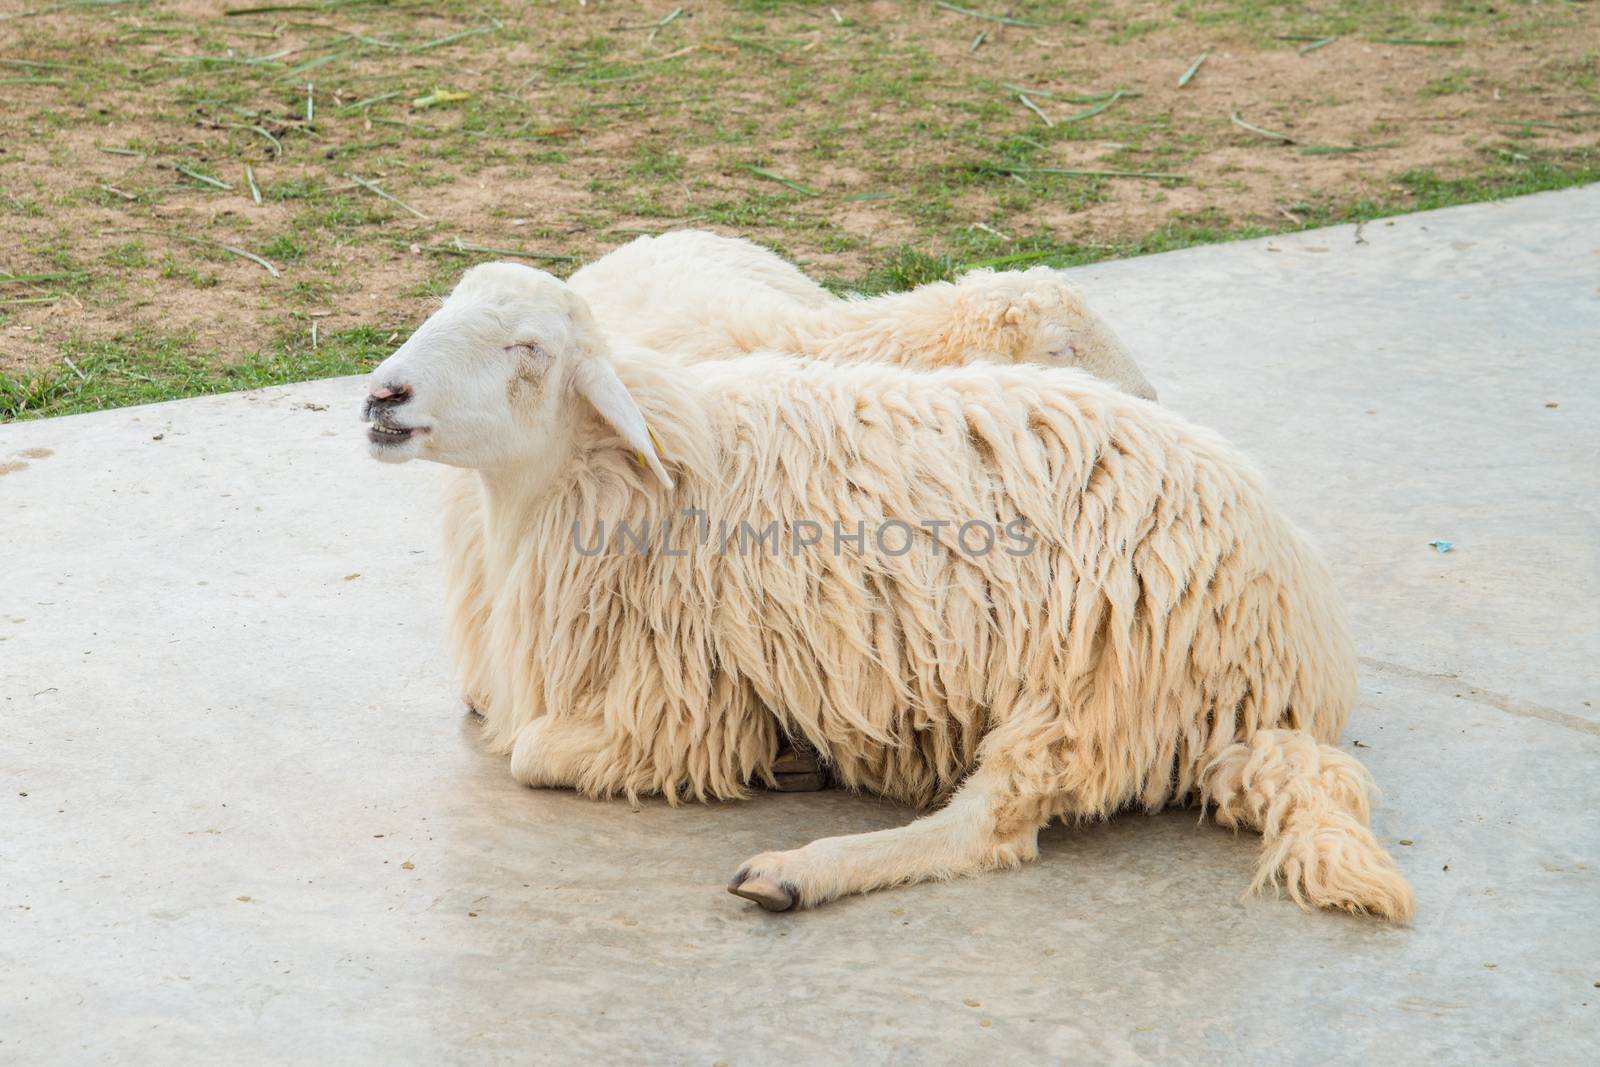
x=700 y=295
x=1003 y=593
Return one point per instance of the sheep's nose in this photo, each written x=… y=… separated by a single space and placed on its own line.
x=384 y=397
x=389 y=394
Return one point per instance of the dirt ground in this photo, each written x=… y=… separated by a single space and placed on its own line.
x=878 y=143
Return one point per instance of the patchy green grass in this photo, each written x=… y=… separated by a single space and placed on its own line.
x=187 y=196
x=147 y=368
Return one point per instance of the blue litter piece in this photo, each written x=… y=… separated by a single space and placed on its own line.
x=1442 y=546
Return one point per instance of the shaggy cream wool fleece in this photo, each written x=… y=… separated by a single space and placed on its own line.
x=1168 y=631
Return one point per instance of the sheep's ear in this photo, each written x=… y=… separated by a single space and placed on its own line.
x=600 y=385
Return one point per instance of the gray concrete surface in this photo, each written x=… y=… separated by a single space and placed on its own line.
x=244 y=819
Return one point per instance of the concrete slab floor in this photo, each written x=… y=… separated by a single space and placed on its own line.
x=244 y=819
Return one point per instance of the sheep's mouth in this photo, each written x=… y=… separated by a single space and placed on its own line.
x=380 y=434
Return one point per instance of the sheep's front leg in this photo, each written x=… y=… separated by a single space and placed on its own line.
x=988 y=824
x=576 y=752
x=551 y=754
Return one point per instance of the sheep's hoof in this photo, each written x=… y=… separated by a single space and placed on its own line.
x=772 y=896
x=799 y=783
x=798 y=769
x=796 y=760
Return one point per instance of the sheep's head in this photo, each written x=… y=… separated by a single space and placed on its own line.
x=1053 y=326
x=497 y=378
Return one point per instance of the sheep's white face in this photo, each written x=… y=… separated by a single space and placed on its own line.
x=472 y=387
x=494 y=378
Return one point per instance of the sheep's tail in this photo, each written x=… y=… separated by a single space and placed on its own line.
x=1310 y=803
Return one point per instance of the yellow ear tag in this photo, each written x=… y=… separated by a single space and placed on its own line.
x=638 y=457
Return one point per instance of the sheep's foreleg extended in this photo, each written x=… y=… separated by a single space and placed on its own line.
x=986 y=825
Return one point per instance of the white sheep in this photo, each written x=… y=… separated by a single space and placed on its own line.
x=1142 y=628
x=700 y=295
x=707 y=265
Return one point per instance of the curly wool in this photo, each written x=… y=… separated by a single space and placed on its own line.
x=1163 y=632
x=1165 y=613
